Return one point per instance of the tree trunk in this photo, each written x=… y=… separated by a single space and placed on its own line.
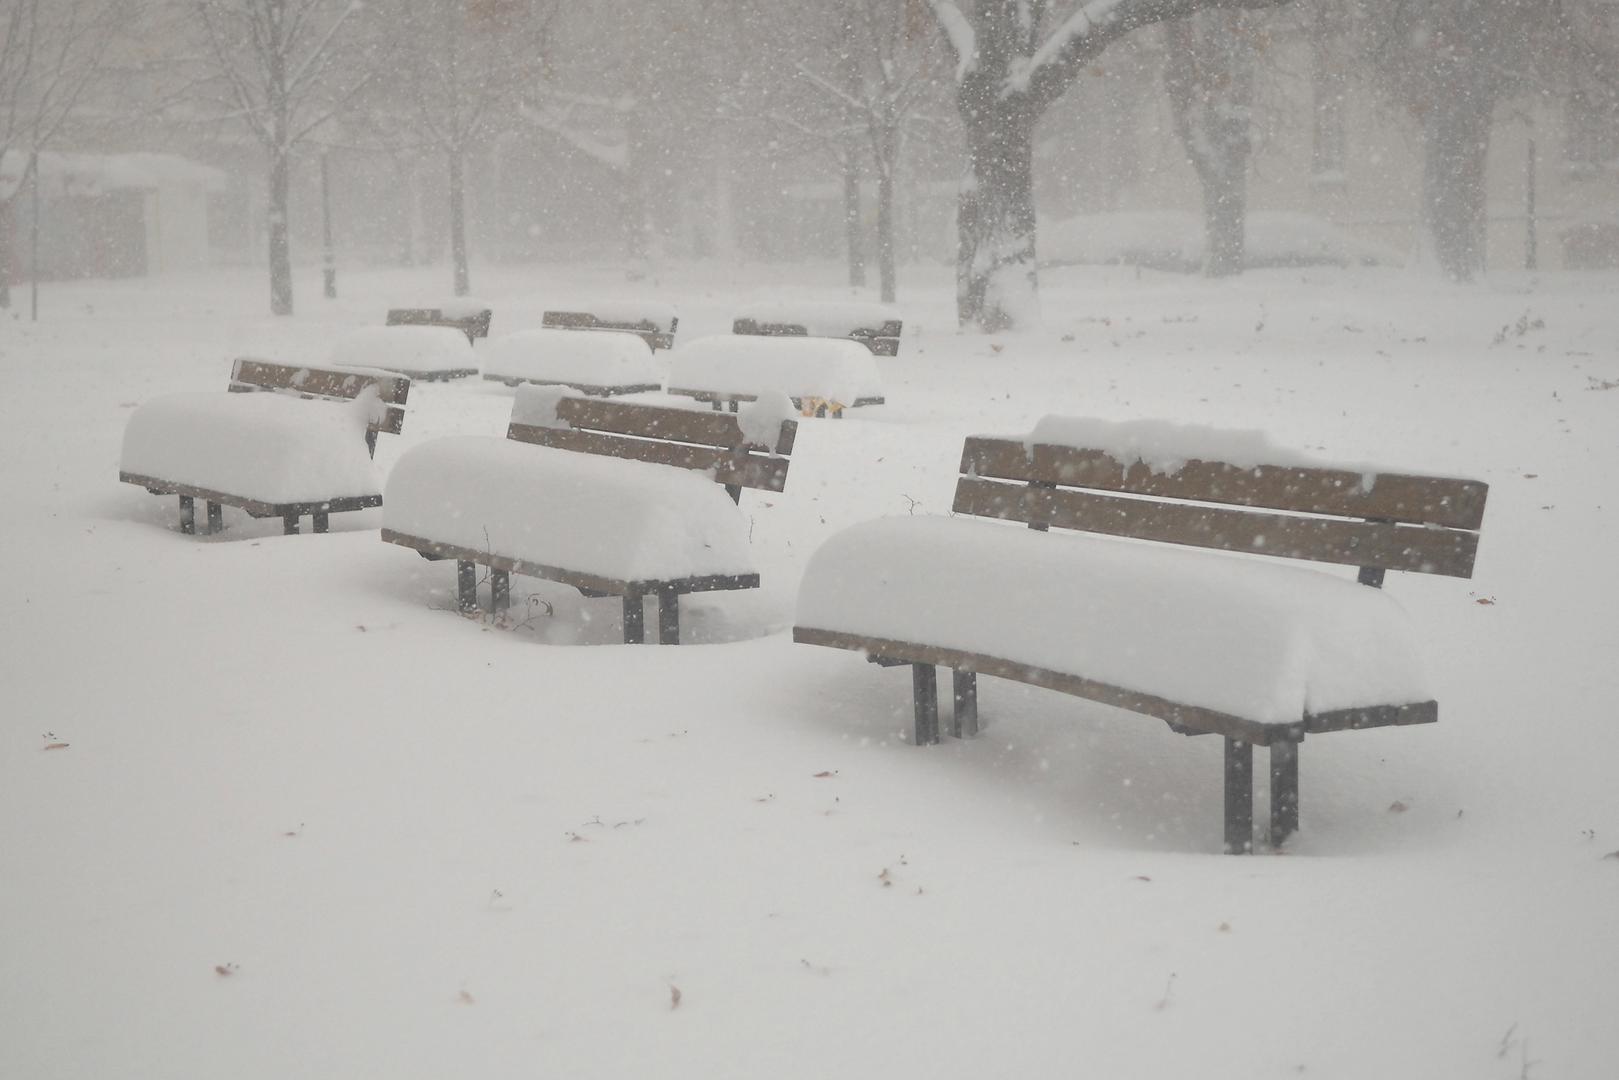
x=1210 y=78
x=885 y=232
x=458 y=224
x=1456 y=137
x=996 y=283
x=851 y=217
x=7 y=240
x=280 y=249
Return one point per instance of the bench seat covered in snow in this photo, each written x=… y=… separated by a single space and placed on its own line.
x=601 y=365
x=652 y=322
x=820 y=375
x=1260 y=651
x=305 y=449
x=872 y=325
x=611 y=498
x=423 y=351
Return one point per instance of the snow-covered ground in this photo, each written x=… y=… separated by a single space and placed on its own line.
x=269 y=808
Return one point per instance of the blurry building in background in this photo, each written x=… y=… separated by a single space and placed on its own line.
x=109 y=215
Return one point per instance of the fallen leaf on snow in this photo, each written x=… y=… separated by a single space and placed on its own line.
x=826 y=775
x=224 y=971
x=1487 y=601
x=1398 y=807
x=56 y=746
x=465 y=998
x=1225 y=928
x=674 y=997
x=1612 y=855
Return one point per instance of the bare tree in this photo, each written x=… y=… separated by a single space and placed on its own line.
x=280 y=68
x=1014 y=58
x=465 y=64
x=879 y=77
x=50 y=53
x=1451 y=64
x=1209 y=75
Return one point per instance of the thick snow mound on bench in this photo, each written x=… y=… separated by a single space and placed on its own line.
x=800 y=367
x=822 y=320
x=1260 y=641
x=409 y=350
x=568 y=356
x=273 y=448
x=629 y=520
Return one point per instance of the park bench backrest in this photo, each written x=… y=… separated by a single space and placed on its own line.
x=1384 y=521
x=650 y=330
x=882 y=338
x=248 y=375
x=473 y=326
x=681 y=437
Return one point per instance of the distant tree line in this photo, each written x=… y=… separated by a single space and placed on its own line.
x=853 y=89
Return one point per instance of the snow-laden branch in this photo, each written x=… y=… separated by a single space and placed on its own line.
x=1087 y=20
x=1049 y=70
x=958 y=31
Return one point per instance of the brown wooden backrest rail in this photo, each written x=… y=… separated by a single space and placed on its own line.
x=1384 y=521
x=656 y=335
x=249 y=375
x=665 y=436
x=473 y=326
x=882 y=339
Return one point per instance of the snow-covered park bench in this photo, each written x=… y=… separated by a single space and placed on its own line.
x=874 y=326
x=471 y=320
x=426 y=353
x=305 y=449
x=821 y=375
x=602 y=365
x=611 y=498
x=1262 y=652
x=653 y=323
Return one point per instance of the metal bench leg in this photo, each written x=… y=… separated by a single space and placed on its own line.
x=188 y=514
x=634 y=619
x=322 y=520
x=735 y=404
x=1284 y=790
x=289 y=525
x=466 y=585
x=668 y=617
x=964 y=717
x=216 y=518
x=925 y=688
x=1239 y=797
x=500 y=591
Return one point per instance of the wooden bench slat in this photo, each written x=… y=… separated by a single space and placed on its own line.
x=248 y=375
x=653 y=333
x=1185 y=719
x=1448 y=552
x=252 y=507
x=589 y=584
x=729 y=468
x=882 y=340
x=1433 y=500
x=686 y=425
x=473 y=326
